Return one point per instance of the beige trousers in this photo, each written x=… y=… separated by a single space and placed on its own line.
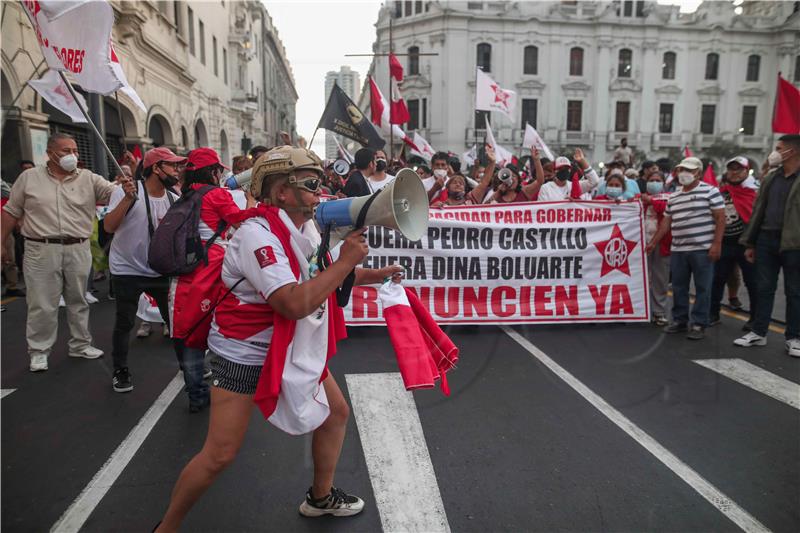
x=50 y=271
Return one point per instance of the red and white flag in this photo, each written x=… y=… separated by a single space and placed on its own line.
x=422 y=148
x=399 y=112
x=687 y=152
x=532 y=138
x=502 y=156
x=53 y=89
x=75 y=37
x=489 y=96
x=786 y=118
x=379 y=114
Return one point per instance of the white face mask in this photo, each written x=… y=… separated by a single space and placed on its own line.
x=685 y=178
x=68 y=162
x=775 y=158
x=440 y=173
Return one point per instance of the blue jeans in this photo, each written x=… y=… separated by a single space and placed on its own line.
x=733 y=254
x=192 y=364
x=769 y=261
x=684 y=266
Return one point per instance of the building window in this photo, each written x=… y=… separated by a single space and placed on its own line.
x=531 y=60
x=627 y=8
x=418 y=7
x=413 y=111
x=753 y=65
x=424 y=115
x=216 y=60
x=639 y=8
x=707 y=112
x=398 y=9
x=413 y=60
x=176 y=7
x=665 y=118
x=475 y=5
x=574 y=112
x=623 y=113
x=480 y=119
x=749 y=120
x=668 y=66
x=712 y=66
x=190 y=19
x=484 y=52
x=797 y=69
x=625 y=64
x=576 y=62
x=408 y=4
x=202 y=42
x=529 y=108
x=225 y=65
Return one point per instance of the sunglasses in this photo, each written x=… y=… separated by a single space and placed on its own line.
x=310 y=184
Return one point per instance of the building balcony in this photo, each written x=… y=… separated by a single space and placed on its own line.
x=472 y=135
x=752 y=142
x=574 y=138
x=667 y=140
x=704 y=140
x=614 y=138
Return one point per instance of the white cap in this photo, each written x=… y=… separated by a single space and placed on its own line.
x=561 y=162
x=739 y=160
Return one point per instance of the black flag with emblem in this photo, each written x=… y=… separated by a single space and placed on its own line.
x=342 y=116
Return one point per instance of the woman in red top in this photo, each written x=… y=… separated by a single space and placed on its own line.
x=194 y=294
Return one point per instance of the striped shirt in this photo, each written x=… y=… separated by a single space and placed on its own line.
x=692 y=222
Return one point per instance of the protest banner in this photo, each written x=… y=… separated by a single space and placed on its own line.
x=545 y=262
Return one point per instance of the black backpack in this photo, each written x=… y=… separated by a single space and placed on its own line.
x=175 y=246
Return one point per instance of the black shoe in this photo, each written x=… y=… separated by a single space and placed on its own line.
x=197 y=407
x=714 y=320
x=675 y=327
x=696 y=333
x=748 y=326
x=207 y=373
x=15 y=292
x=122 y=380
x=735 y=303
x=337 y=503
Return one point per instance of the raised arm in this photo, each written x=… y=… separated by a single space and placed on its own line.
x=532 y=189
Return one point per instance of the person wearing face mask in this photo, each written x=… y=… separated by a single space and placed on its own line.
x=654 y=202
x=57 y=205
x=380 y=178
x=614 y=187
x=513 y=190
x=631 y=188
x=561 y=187
x=426 y=176
x=191 y=319
x=772 y=241
x=696 y=216
x=133 y=224
x=441 y=170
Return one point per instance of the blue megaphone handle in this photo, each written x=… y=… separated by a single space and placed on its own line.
x=231 y=183
x=334 y=213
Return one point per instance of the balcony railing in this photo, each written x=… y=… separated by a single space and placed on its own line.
x=614 y=138
x=667 y=140
x=751 y=141
x=704 y=140
x=579 y=138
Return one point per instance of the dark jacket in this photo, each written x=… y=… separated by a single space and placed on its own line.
x=790 y=236
x=356 y=185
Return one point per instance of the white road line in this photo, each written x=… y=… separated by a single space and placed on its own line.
x=708 y=491
x=77 y=514
x=756 y=378
x=5 y=392
x=400 y=469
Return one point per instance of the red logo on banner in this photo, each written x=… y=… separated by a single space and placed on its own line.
x=615 y=252
x=265 y=256
x=500 y=95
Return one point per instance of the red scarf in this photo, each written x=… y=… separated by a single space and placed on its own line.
x=743 y=199
x=576 y=192
x=269 y=382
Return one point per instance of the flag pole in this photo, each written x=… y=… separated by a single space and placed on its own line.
x=311 y=142
x=89 y=121
x=121 y=125
x=389 y=72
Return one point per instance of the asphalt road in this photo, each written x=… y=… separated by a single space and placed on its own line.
x=514 y=448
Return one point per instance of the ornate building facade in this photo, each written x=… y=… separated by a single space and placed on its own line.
x=588 y=73
x=210 y=73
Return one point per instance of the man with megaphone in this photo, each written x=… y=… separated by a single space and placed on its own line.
x=274 y=331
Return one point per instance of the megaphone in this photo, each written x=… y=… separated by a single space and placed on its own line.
x=341 y=167
x=239 y=180
x=506 y=176
x=402 y=205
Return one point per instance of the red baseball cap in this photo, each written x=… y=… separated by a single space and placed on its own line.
x=203 y=157
x=162 y=153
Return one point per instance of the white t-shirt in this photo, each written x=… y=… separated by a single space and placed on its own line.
x=128 y=255
x=551 y=191
x=428 y=183
x=375 y=186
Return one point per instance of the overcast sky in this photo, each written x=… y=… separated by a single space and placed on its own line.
x=318 y=33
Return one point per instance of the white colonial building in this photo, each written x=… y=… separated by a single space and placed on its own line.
x=210 y=73
x=588 y=73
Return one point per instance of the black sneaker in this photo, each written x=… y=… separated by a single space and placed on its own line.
x=735 y=303
x=337 y=503
x=122 y=380
x=675 y=327
x=696 y=333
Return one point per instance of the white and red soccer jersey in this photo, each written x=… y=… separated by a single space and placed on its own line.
x=218 y=204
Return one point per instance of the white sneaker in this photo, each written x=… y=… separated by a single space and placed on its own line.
x=61 y=302
x=165 y=330
x=751 y=339
x=144 y=330
x=38 y=363
x=793 y=347
x=90 y=298
x=90 y=352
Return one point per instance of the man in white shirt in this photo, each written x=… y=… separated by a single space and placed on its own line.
x=561 y=187
x=379 y=179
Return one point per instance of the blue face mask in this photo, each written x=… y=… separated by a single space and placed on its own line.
x=655 y=187
x=614 y=192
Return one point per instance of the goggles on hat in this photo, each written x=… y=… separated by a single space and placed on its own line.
x=309 y=184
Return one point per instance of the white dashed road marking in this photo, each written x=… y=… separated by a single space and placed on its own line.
x=756 y=378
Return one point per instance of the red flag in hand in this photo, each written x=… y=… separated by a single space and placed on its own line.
x=709 y=176
x=787 y=108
